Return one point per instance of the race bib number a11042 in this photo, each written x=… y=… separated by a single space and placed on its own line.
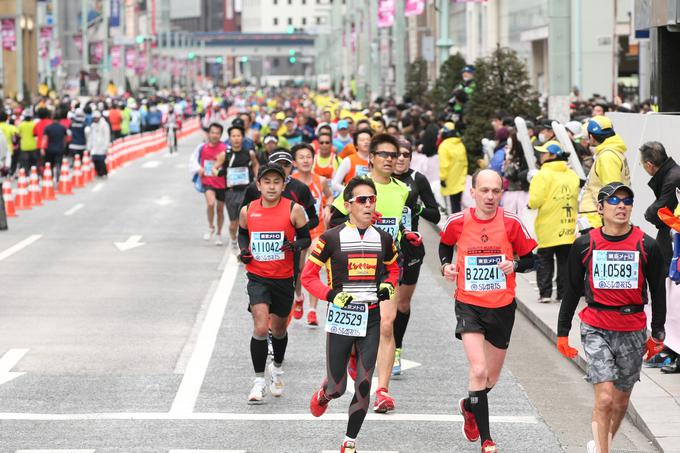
x=350 y=321
x=613 y=269
x=483 y=274
x=266 y=246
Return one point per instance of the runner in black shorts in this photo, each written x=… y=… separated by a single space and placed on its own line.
x=271 y=229
x=420 y=203
x=489 y=240
x=364 y=269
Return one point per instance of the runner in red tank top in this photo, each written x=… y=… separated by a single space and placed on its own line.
x=271 y=230
x=303 y=157
x=488 y=240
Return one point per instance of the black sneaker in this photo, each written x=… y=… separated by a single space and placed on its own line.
x=674 y=367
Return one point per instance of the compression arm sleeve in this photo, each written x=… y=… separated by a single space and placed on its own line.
x=575 y=286
x=243 y=238
x=656 y=279
x=430 y=210
x=302 y=237
x=445 y=253
x=337 y=217
x=312 y=216
x=312 y=281
x=525 y=263
x=337 y=182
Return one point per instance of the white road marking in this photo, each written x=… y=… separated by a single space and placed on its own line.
x=164 y=201
x=74 y=209
x=223 y=416
x=131 y=243
x=9 y=361
x=55 y=451
x=207 y=451
x=188 y=391
x=363 y=451
x=181 y=166
x=126 y=164
x=19 y=246
x=151 y=164
x=405 y=365
x=98 y=187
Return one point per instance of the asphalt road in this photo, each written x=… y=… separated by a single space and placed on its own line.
x=146 y=349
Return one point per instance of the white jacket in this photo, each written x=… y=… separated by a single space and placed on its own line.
x=99 y=138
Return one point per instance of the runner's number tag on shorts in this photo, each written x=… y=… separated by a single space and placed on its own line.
x=361 y=170
x=613 y=269
x=237 y=176
x=389 y=225
x=406 y=218
x=208 y=166
x=483 y=274
x=266 y=246
x=350 y=321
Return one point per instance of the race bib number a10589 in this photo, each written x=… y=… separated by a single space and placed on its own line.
x=266 y=246
x=483 y=274
x=613 y=269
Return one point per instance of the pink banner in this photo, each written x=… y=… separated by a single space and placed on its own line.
x=115 y=57
x=78 y=41
x=414 y=7
x=9 y=38
x=386 y=11
x=44 y=41
x=97 y=52
x=130 y=58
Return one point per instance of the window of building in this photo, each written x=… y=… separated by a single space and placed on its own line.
x=304 y=21
x=275 y=62
x=276 y=21
x=290 y=2
x=290 y=21
x=318 y=20
x=304 y=2
x=276 y=2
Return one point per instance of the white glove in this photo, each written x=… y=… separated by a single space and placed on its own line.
x=531 y=173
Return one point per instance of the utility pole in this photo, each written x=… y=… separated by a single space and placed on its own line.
x=444 y=42
x=373 y=52
x=558 y=60
x=83 y=31
x=19 y=32
x=106 y=13
x=399 y=49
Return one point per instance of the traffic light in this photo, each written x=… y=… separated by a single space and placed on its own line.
x=139 y=39
x=291 y=52
x=292 y=60
x=192 y=55
x=290 y=30
x=218 y=60
x=244 y=59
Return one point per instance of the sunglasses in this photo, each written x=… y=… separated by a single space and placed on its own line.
x=324 y=143
x=405 y=155
x=362 y=199
x=387 y=154
x=616 y=200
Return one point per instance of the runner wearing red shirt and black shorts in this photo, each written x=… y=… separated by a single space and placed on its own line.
x=271 y=230
x=215 y=186
x=489 y=240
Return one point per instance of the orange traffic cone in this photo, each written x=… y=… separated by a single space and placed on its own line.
x=78 y=181
x=65 y=187
x=23 y=200
x=48 y=184
x=10 y=208
x=34 y=188
x=87 y=168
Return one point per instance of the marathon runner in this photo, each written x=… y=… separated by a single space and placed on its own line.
x=392 y=195
x=356 y=164
x=303 y=156
x=271 y=229
x=489 y=240
x=362 y=263
x=420 y=203
x=613 y=267
x=326 y=162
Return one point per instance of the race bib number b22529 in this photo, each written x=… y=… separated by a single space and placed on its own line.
x=350 y=321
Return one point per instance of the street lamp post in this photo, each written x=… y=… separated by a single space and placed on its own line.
x=444 y=42
x=83 y=31
x=19 y=49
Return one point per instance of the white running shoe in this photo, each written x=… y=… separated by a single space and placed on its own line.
x=209 y=235
x=591 y=447
x=258 y=391
x=276 y=381
x=234 y=245
x=218 y=241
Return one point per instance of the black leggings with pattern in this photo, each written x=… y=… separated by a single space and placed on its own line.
x=338 y=349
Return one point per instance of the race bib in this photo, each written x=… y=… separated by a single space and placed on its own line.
x=361 y=170
x=406 y=218
x=613 y=269
x=266 y=246
x=389 y=225
x=483 y=274
x=208 y=166
x=350 y=321
x=238 y=176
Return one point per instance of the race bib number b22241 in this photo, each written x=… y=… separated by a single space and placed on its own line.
x=483 y=274
x=614 y=269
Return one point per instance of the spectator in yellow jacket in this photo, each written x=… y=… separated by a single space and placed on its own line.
x=453 y=165
x=610 y=165
x=553 y=191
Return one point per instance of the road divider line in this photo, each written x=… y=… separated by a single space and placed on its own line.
x=224 y=416
x=9 y=361
x=19 y=246
x=190 y=387
x=74 y=209
x=207 y=451
x=55 y=451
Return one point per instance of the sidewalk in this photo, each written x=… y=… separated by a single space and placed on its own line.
x=655 y=402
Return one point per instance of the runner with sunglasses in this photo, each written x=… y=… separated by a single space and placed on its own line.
x=391 y=199
x=420 y=203
x=613 y=267
x=326 y=161
x=362 y=265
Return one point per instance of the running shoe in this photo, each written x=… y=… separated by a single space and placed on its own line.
x=209 y=235
x=658 y=361
x=298 y=308
x=318 y=404
x=258 y=391
x=276 y=380
x=470 y=430
x=383 y=401
x=545 y=300
x=218 y=241
x=591 y=447
x=348 y=446
x=352 y=366
x=396 y=366
x=489 y=446
x=311 y=318
x=234 y=244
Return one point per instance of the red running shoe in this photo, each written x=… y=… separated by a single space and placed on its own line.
x=311 y=318
x=348 y=446
x=352 y=366
x=470 y=430
x=489 y=446
x=298 y=308
x=316 y=407
x=383 y=401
